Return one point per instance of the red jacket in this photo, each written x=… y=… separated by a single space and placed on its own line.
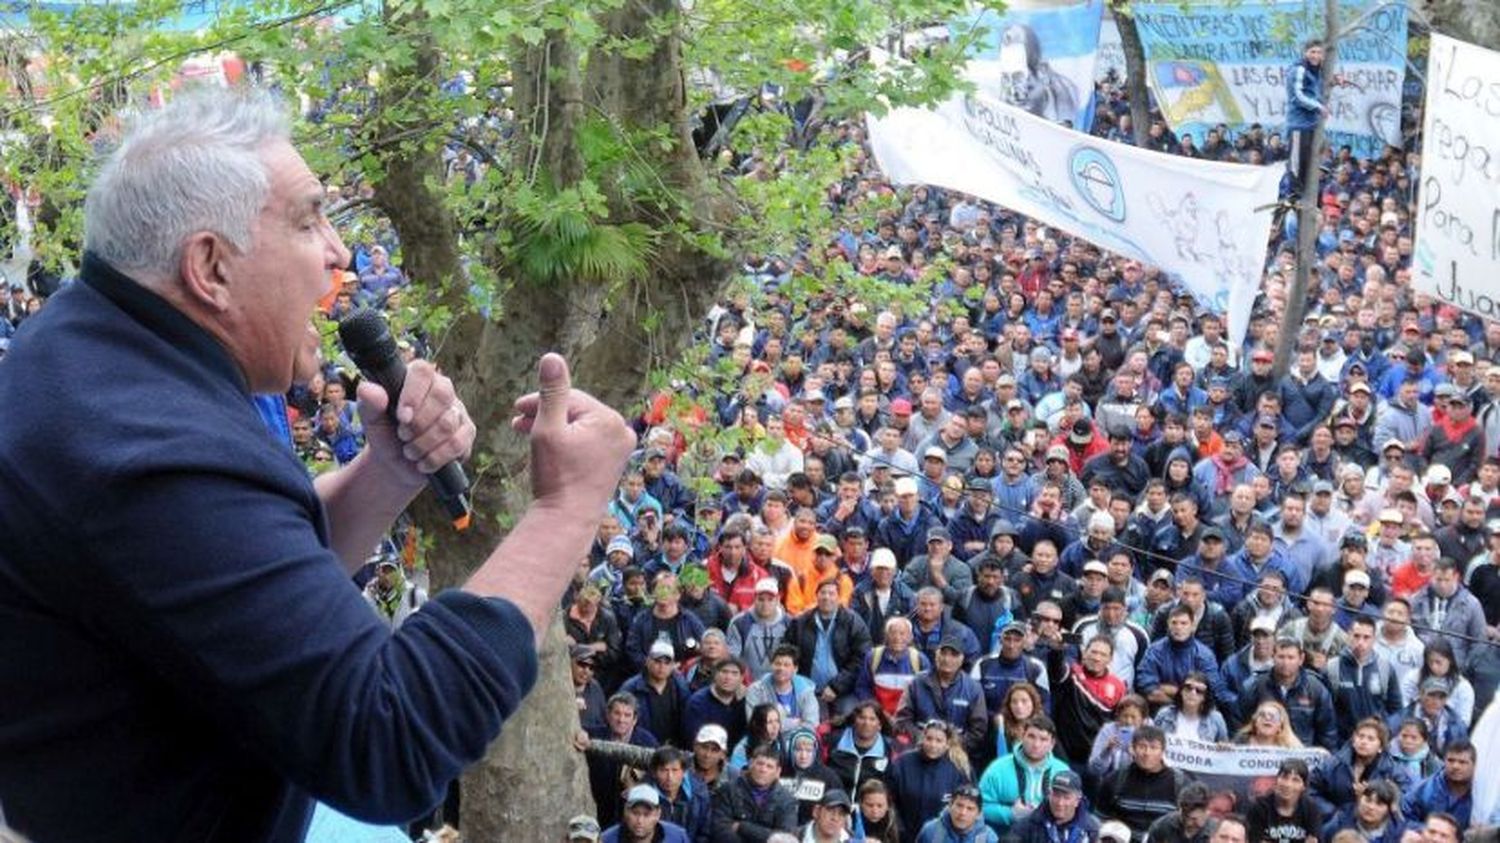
x=739 y=594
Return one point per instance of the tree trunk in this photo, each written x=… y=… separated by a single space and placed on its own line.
x=516 y=791
x=1135 y=72
x=1308 y=216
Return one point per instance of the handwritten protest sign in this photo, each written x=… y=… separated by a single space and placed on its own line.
x=1458 y=221
x=1209 y=64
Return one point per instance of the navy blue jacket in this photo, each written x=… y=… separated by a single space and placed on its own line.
x=1304 y=97
x=173 y=617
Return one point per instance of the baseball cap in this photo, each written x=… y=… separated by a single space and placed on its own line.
x=843 y=403
x=1263 y=355
x=1354 y=538
x=1348 y=421
x=894 y=252
x=1322 y=487
x=935 y=453
x=1461 y=356
x=1212 y=532
x=882 y=558
x=906 y=486
x=1094 y=566
x=642 y=794
x=951 y=642
x=1445 y=390
x=1393 y=443
x=1003 y=528
x=1266 y=420
x=1159 y=575
x=1114 y=831
x=1261 y=623
x=1391 y=516
x=661 y=649
x=1082 y=433
x=1357 y=578
x=1434 y=685
x=1014 y=627
x=1057 y=452
x=714 y=734
x=836 y=798
x=1015 y=404
x=978 y=484
x=826 y=542
x=1067 y=781
x=583 y=827
x=621 y=544
x=769 y=585
x=1233 y=437
x=900 y=407
x=938 y=534
x=582 y=653
x=1439 y=475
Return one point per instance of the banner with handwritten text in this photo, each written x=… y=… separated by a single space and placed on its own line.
x=1457 y=241
x=1203 y=223
x=1209 y=64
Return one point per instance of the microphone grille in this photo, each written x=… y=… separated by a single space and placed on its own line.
x=363 y=332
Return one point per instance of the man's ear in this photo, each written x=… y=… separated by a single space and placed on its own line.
x=205 y=275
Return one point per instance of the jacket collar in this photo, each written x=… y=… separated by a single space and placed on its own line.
x=160 y=317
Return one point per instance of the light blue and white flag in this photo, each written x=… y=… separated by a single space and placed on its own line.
x=1038 y=55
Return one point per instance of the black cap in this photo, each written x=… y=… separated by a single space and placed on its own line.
x=1214 y=532
x=951 y=642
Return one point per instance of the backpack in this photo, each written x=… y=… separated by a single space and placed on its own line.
x=913 y=656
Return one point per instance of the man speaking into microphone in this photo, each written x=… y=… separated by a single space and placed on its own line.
x=182 y=653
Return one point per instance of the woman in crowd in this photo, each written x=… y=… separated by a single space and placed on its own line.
x=1360 y=762
x=764 y=727
x=875 y=817
x=804 y=775
x=1375 y=815
x=1412 y=752
x=921 y=780
x=1021 y=702
x=1286 y=813
x=1438 y=660
x=862 y=751
x=1111 y=750
x=1269 y=726
x=1193 y=715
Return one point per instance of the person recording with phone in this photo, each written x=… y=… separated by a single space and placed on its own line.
x=180 y=619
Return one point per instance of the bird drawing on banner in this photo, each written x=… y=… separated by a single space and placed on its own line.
x=1183 y=221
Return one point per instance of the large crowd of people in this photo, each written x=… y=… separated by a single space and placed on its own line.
x=973 y=565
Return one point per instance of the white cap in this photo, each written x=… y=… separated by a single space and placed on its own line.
x=714 y=733
x=661 y=649
x=935 y=452
x=1094 y=566
x=1116 y=831
x=1439 y=475
x=1262 y=622
x=1357 y=578
x=768 y=585
x=906 y=486
x=642 y=794
x=882 y=558
x=1392 y=516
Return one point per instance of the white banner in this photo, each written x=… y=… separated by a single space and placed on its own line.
x=1458 y=222
x=1110 y=63
x=1197 y=221
x=1246 y=771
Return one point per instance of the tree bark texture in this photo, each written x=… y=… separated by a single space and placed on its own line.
x=1135 y=72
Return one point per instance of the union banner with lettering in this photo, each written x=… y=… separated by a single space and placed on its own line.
x=1246 y=771
x=1226 y=63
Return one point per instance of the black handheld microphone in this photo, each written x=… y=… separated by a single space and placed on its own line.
x=370 y=345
